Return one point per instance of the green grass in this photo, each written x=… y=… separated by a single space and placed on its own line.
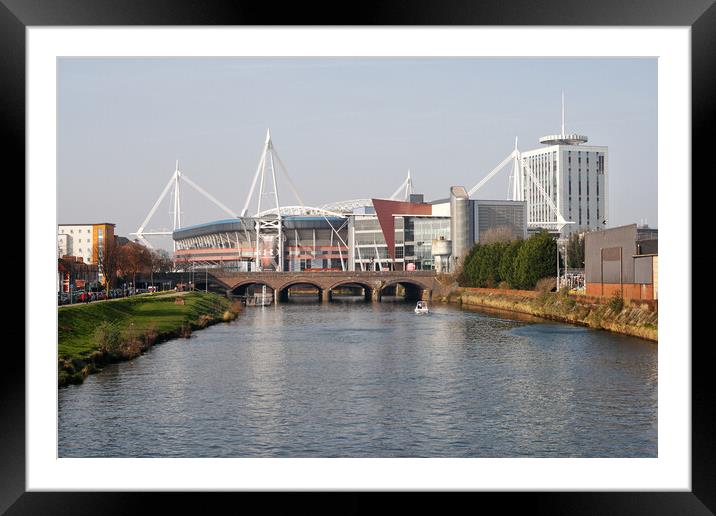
x=77 y=323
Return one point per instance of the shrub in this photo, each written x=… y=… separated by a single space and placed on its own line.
x=507 y=270
x=482 y=265
x=565 y=299
x=107 y=337
x=535 y=259
x=151 y=334
x=616 y=302
x=132 y=342
x=185 y=330
x=520 y=263
x=468 y=276
x=489 y=274
x=543 y=298
x=546 y=285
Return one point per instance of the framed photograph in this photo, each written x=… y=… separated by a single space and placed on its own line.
x=412 y=251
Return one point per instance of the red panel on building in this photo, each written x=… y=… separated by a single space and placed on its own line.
x=385 y=210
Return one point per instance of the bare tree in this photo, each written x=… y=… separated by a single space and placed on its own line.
x=161 y=262
x=108 y=262
x=497 y=234
x=132 y=259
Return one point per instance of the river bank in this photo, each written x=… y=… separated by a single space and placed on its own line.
x=93 y=335
x=633 y=318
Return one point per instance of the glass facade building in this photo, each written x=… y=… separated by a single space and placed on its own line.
x=413 y=240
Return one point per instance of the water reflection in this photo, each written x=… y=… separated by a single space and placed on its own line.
x=348 y=379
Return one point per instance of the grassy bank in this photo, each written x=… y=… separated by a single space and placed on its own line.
x=95 y=334
x=628 y=319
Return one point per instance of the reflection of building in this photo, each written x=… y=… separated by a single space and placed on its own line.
x=379 y=235
x=624 y=260
x=86 y=241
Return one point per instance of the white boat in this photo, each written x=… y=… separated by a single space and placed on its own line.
x=422 y=307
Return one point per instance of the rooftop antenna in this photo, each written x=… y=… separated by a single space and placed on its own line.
x=563 y=138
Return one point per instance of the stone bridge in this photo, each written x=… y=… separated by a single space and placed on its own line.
x=418 y=284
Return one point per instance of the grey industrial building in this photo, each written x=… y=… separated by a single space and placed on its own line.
x=622 y=260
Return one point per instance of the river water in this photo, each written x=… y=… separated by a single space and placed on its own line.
x=372 y=380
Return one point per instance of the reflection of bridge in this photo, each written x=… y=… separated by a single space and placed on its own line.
x=417 y=284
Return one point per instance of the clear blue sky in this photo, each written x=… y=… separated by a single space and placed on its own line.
x=345 y=128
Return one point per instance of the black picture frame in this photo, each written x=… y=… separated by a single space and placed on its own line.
x=700 y=15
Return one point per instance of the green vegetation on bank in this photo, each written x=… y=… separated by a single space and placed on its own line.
x=91 y=335
x=614 y=315
x=518 y=264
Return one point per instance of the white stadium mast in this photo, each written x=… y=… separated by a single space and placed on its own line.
x=175 y=180
x=269 y=227
x=269 y=212
x=524 y=185
x=406 y=187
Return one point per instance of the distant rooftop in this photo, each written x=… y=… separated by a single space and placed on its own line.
x=91 y=224
x=563 y=139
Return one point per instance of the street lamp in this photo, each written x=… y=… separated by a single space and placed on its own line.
x=557 y=246
x=561 y=245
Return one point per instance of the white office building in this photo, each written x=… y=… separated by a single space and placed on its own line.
x=570 y=174
x=574 y=176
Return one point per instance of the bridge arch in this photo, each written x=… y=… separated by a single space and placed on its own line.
x=413 y=288
x=243 y=287
x=282 y=291
x=350 y=283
